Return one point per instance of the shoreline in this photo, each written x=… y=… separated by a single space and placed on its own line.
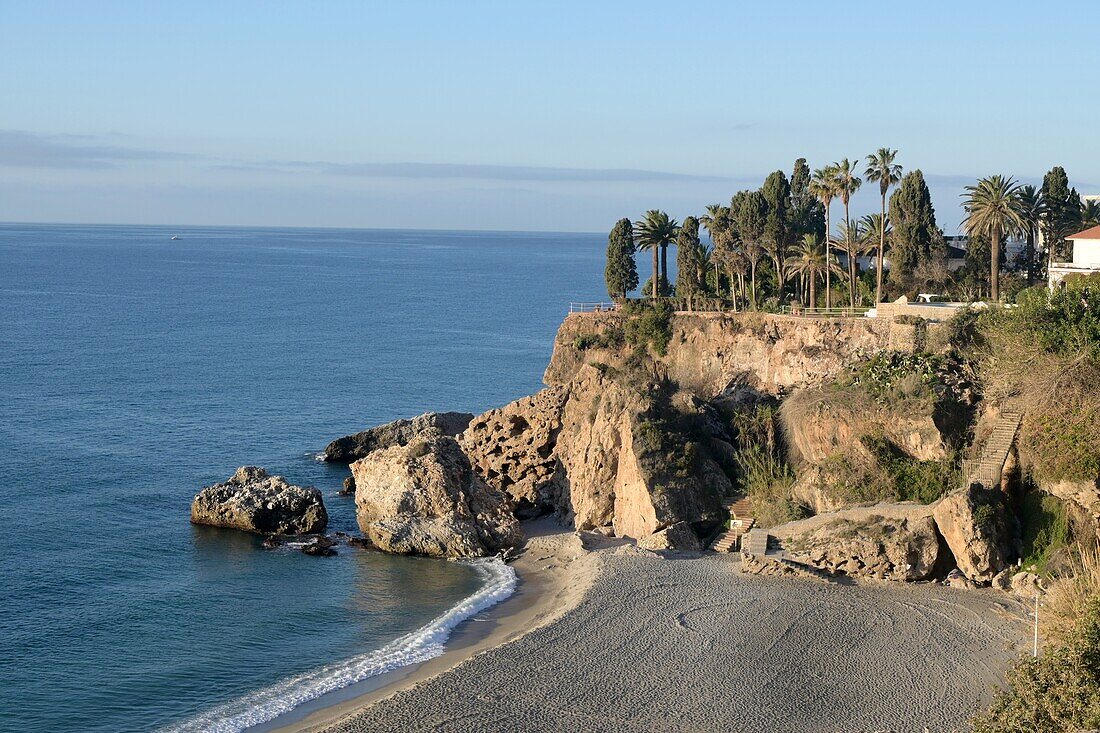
x=550 y=583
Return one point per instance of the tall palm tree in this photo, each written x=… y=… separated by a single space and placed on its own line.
x=993 y=208
x=823 y=188
x=810 y=262
x=1031 y=208
x=847 y=183
x=881 y=168
x=654 y=232
x=717 y=223
x=852 y=239
x=753 y=252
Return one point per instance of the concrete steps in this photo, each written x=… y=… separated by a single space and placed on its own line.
x=988 y=468
x=741 y=521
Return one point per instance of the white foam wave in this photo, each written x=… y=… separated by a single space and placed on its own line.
x=421 y=645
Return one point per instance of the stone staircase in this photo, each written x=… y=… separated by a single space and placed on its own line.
x=741 y=521
x=987 y=469
x=755 y=543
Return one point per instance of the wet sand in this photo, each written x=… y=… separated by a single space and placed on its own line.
x=629 y=641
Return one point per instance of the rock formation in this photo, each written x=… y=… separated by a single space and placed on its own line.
x=512 y=448
x=897 y=541
x=425 y=499
x=597 y=452
x=974 y=524
x=254 y=501
x=399 y=432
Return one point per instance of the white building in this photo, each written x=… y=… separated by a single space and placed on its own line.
x=1086 y=257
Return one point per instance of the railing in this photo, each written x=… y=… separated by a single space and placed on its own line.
x=845 y=312
x=591 y=307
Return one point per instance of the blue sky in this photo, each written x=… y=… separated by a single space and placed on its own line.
x=515 y=115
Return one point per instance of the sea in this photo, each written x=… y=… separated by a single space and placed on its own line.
x=136 y=368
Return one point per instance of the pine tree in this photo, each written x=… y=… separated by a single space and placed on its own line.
x=621 y=272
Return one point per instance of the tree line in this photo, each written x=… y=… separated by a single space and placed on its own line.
x=777 y=244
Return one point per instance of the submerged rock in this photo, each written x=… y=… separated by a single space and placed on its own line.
x=425 y=499
x=255 y=501
x=399 y=432
x=320 y=547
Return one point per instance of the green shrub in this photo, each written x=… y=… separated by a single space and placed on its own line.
x=1045 y=530
x=1058 y=691
x=649 y=325
x=883 y=374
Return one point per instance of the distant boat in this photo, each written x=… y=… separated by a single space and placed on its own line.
x=175 y=237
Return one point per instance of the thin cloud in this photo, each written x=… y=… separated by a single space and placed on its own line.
x=441 y=171
x=19 y=148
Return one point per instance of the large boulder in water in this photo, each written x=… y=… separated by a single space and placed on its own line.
x=425 y=499
x=399 y=432
x=255 y=501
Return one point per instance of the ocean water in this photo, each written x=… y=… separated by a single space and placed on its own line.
x=135 y=369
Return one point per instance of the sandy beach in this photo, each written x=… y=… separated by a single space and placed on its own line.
x=617 y=639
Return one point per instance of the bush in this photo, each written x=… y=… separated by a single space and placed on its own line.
x=889 y=475
x=890 y=375
x=1058 y=691
x=649 y=325
x=1044 y=528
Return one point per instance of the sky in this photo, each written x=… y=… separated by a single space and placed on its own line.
x=559 y=116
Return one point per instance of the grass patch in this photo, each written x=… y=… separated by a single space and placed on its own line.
x=1045 y=530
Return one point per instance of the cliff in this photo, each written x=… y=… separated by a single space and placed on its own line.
x=709 y=353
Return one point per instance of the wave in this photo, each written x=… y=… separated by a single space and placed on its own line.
x=421 y=645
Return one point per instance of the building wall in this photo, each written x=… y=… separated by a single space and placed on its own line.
x=1086 y=252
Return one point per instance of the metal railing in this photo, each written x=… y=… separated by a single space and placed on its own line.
x=591 y=307
x=858 y=311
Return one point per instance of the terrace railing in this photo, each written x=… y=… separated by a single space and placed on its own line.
x=591 y=307
x=858 y=311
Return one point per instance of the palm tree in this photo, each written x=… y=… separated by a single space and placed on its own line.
x=993 y=208
x=717 y=223
x=823 y=188
x=1090 y=214
x=1031 y=208
x=654 y=232
x=810 y=262
x=753 y=252
x=882 y=168
x=847 y=183
x=852 y=239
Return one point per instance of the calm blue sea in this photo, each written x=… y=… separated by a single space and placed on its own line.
x=135 y=369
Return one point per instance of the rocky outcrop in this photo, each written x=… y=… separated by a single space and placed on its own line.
x=425 y=499
x=817 y=425
x=896 y=541
x=679 y=536
x=1082 y=494
x=399 y=432
x=513 y=448
x=255 y=501
x=710 y=351
x=595 y=451
x=974 y=523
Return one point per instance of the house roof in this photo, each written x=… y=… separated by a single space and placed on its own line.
x=1092 y=233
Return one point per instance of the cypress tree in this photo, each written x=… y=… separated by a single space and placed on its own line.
x=915 y=239
x=777 y=195
x=689 y=260
x=1061 y=213
x=621 y=273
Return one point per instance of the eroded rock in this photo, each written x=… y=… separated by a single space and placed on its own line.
x=425 y=499
x=399 y=432
x=974 y=523
x=897 y=541
x=255 y=501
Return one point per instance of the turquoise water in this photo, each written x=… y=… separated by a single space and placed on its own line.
x=135 y=370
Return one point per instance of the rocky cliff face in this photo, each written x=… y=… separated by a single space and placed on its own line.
x=255 y=501
x=975 y=524
x=425 y=499
x=709 y=352
x=596 y=451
